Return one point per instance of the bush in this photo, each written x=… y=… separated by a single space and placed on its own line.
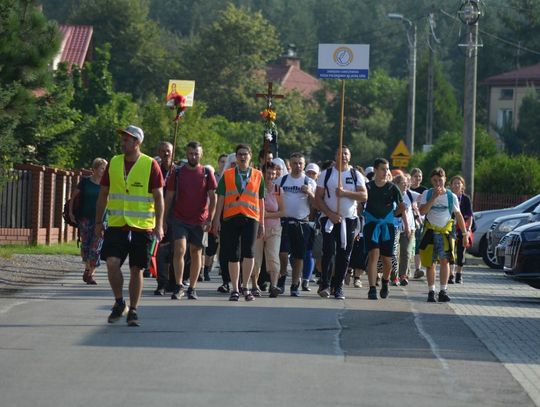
x=506 y=174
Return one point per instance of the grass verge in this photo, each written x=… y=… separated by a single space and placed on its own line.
x=7 y=251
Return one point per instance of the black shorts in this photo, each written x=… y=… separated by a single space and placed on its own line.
x=238 y=237
x=296 y=238
x=386 y=247
x=120 y=243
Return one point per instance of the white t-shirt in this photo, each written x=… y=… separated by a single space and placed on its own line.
x=296 y=202
x=439 y=215
x=347 y=206
x=408 y=204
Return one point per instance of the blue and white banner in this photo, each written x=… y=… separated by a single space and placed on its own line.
x=343 y=61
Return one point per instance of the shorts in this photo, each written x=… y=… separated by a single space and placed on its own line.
x=238 y=235
x=193 y=233
x=120 y=243
x=298 y=238
x=212 y=246
x=386 y=247
x=438 y=248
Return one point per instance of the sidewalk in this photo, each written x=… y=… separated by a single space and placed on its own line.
x=505 y=315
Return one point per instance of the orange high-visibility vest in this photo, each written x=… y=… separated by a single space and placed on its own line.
x=245 y=203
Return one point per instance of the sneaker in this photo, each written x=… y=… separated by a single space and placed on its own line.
x=348 y=276
x=431 y=296
x=248 y=296
x=339 y=295
x=419 y=273
x=118 y=311
x=443 y=297
x=160 y=292
x=395 y=282
x=404 y=281
x=281 y=283
x=192 y=294
x=263 y=287
x=357 y=283
x=324 y=292
x=305 y=285
x=459 y=278
x=384 y=290
x=132 y=319
x=451 y=279
x=224 y=288
x=207 y=275
x=295 y=290
x=274 y=291
x=177 y=293
x=372 y=293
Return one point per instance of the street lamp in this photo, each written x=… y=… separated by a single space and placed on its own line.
x=410 y=28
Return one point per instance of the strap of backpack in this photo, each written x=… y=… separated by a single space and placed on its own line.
x=283 y=180
x=326 y=178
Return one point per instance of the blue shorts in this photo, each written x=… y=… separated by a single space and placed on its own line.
x=438 y=248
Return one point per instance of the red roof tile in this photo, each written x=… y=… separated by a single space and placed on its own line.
x=293 y=78
x=75 y=44
x=523 y=76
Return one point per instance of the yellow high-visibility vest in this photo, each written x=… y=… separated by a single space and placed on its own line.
x=130 y=203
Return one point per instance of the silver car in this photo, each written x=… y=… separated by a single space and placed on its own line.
x=484 y=219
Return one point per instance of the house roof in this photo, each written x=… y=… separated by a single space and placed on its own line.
x=75 y=44
x=524 y=76
x=291 y=77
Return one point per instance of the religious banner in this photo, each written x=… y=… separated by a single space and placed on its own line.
x=181 y=88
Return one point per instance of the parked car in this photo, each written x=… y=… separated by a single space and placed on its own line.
x=522 y=254
x=484 y=219
x=500 y=247
x=500 y=227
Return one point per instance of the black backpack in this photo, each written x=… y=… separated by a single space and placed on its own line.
x=77 y=204
x=177 y=175
x=329 y=173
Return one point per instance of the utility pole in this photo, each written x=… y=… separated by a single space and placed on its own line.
x=432 y=39
x=469 y=13
x=410 y=28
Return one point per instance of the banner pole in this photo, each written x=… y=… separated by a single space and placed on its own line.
x=174 y=138
x=340 y=149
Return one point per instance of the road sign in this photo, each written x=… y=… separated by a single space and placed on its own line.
x=401 y=155
x=343 y=61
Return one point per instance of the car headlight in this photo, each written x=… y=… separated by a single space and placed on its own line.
x=532 y=235
x=509 y=225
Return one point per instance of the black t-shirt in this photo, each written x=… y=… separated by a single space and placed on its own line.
x=381 y=199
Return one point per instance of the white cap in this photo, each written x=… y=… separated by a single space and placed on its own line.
x=133 y=131
x=313 y=167
x=369 y=170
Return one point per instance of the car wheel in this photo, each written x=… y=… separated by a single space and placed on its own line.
x=534 y=284
x=489 y=258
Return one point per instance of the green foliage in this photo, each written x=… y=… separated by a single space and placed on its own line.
x=10 y=150
x=508 y=175
x=529 y=125
x=139 y=61
x=224 y=58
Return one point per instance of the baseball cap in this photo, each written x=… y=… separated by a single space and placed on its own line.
x=369 y=170
x=133 y=131
x=312 y=167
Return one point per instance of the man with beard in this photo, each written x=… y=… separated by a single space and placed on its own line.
x=191 y=216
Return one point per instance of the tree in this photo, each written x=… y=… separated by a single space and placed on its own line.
x=139 y=62
x=225 y=58
x=528 y=129
x=505 y=174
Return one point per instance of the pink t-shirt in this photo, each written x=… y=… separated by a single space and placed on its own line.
x=191 y=202
x=271 y=205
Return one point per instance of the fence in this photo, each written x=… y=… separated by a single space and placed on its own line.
x=484 y=200
x=31 y=205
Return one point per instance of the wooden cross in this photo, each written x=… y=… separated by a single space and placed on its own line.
x=269 y=96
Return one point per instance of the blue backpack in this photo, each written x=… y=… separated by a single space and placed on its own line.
x=449 y=196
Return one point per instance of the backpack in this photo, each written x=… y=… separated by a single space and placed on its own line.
x=448 y=195
x=329 y=173
x=77 y=204
x=284 y=179
x=177 y=175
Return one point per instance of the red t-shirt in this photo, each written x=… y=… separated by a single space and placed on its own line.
x=156 y=179
x=191 y=202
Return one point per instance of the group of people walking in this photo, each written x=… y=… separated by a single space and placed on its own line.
x=335 y=218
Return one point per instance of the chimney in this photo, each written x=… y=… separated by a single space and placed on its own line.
x=289 y=58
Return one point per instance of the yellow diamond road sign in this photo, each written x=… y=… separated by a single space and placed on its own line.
x=401 y=155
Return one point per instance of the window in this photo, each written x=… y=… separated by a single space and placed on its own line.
x=504 y=118
x=507 y=94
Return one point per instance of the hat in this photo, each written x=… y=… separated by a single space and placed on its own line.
x=313 y=167
x=133 y=131
x=369 y=170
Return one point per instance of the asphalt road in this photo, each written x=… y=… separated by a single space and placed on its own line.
x=56 y=348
